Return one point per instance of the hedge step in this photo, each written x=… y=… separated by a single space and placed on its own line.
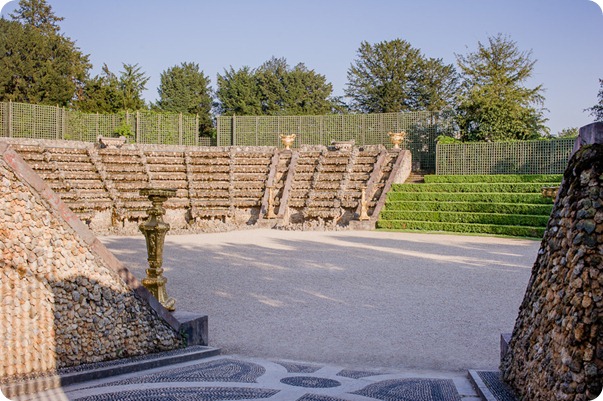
x=528 y=198
x=512 y=187
x=516 y=231
x=535 y=178
x=472 y=218
x=476 y=207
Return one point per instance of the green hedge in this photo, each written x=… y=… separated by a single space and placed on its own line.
x=473 y=218
x=537 y=178
x=479 y=207
x=468 y=197
x=515 y=187
x=516 y=231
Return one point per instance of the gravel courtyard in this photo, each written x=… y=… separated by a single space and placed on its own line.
x=353 y=298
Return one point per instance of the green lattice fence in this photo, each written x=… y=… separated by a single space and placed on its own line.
x=365 y=129
x=20 y=120
x=521 y=157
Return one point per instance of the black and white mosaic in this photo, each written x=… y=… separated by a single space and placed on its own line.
x=309 y=381
x=355 y=374
x=299 y=368
x=316 y=397
x=224 y=370
x=412 y=390
x=496 y=385
x=184 y=394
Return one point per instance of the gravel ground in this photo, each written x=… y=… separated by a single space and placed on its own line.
x=353 y=298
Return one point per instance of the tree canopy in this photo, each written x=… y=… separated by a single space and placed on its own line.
x=274 y=88
x=393 y=76
x=185 y=89
x=38 y=64
x=597 y=110
x=493 y=102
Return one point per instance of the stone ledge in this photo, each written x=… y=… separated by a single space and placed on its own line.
x=366 y=225
x=194 y=327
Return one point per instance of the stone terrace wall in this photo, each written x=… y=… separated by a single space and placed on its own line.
x=218 y=188
x=63 y=300
x=556 y=350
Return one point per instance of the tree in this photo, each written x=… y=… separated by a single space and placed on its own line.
x=37 y=63
x=393 y=76
x=494 y=103
x=132 y=82
x=100 y=94
x=571 y=132
x=274 y=89
x=185 y=89
x=39 y=14
x=597 y=110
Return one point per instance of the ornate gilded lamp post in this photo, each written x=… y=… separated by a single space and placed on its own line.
x=154 y=230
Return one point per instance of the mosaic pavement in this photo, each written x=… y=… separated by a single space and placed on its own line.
x=235 y=377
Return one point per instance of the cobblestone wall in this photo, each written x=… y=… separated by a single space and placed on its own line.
x=60 y=303
x=556 y=351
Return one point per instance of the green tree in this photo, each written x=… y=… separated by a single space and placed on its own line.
x=597 y=110
x=132 y=81
x=185 y=89
x=393 y=76
x=37 y=63
x=568 y=133
x=274 y=89
x=493 y=102
x=238 y=93
x=100 y=94
x=39 y=14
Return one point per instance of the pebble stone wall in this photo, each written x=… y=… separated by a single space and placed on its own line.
x=60 y=305
x=556 y=351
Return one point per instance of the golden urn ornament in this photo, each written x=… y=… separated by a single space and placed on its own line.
x=287 y=140
x=396 y=138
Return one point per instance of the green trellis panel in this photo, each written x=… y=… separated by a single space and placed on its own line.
x=365 y=129
x=521 y=157
x=20 y=120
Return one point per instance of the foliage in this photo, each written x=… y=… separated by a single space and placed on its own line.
x=273 y=89
x=476 y=187
x=597 y=110
x=467 y=217
x=474 y=207
x=124 y=129
x=539 y=178
x=445 y=139
x=568 y=133
x=493 y=103
x=186 y=89
x=38 y=64
x=107 y=93
x=132 y=82
x=392 y=76
x=534 y=198
x=38 y=14
x=468 y=228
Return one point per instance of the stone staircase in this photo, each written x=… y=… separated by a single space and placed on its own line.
x=217 y=188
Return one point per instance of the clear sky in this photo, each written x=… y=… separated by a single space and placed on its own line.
x=565 y=37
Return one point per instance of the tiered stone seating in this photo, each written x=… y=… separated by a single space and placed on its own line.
x=360 y=174
x=249 y=174
x=71 y=173
x=168 y=169
x=331 y=176
x=209 y=182
x=303 y=176
x=127 y=172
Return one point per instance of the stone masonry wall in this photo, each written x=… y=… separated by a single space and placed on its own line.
x=60 y=303
x=556 y=350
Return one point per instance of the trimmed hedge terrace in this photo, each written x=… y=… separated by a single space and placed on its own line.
x=510 y=205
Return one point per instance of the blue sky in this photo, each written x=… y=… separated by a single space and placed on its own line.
x=565 y=37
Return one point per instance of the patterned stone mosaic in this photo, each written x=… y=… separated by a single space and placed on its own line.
x=316 y=397
x=412 y=390
x=223 y=370
x=299 y=367
x=498 y=388
x=355 y=374
x=184 y=394
x=309 y=381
